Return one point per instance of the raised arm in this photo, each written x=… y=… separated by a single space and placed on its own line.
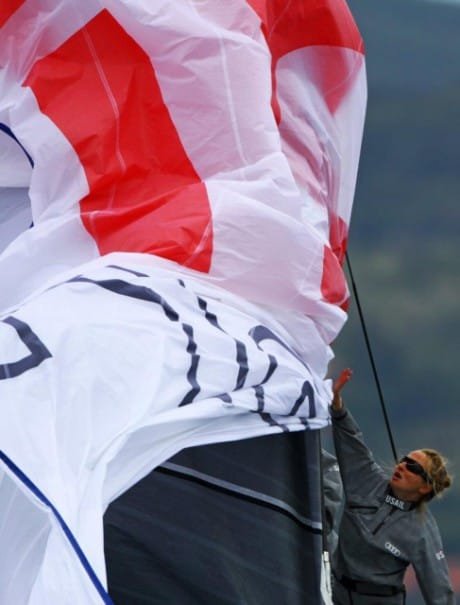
x=358 y=469
x=339 y=383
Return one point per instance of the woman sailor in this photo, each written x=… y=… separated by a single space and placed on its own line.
x=386 y=525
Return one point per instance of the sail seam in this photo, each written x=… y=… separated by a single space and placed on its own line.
x=238 y=491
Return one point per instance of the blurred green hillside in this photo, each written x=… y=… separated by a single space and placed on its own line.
x=404 y=240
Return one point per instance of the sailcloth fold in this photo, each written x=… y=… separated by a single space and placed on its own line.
x=180 y=279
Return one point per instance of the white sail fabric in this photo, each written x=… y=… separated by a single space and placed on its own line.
x=193 y=174
x=111 y=372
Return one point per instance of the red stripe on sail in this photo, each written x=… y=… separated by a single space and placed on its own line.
x=333 y=284
x=293 y=24
x=289 y=25
x=7 y=8
x=101 y=90
x=338 y=236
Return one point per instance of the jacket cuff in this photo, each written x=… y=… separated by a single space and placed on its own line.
x=338 y=414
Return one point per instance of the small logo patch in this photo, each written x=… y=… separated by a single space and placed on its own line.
x=393 y=549
x=440 y=555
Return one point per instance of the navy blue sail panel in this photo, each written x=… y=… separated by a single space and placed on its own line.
x=235 y=523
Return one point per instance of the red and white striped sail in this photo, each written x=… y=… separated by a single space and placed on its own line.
x=194 y=165
x=222 y=136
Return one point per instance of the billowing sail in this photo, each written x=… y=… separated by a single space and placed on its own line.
x=176 y=278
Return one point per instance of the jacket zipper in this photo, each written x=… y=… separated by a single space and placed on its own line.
x=379 y=526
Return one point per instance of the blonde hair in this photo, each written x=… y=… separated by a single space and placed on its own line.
x=438 y=473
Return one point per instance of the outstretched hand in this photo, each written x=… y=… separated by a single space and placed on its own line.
x=338 y=385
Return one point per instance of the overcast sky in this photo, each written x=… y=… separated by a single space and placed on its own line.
x=457 y=2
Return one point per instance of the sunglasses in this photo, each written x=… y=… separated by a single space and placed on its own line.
x=417 y=469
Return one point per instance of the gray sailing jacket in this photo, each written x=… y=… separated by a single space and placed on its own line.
x=333 y=497
x=379 y=534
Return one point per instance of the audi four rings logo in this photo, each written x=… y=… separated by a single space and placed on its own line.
x=392 y=548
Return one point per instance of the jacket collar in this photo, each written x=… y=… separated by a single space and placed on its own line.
x=392 y=500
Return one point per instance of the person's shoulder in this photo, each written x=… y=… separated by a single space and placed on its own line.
x=429 y=530
x=429 y=519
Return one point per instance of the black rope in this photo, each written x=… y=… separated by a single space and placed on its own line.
x=371 y=357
